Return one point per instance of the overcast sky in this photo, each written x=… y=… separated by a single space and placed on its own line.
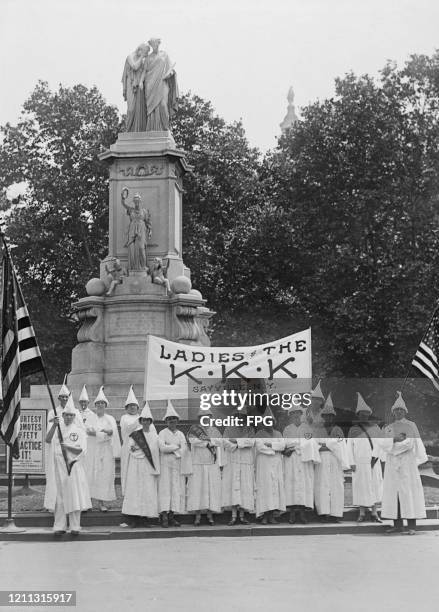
x=241 y=54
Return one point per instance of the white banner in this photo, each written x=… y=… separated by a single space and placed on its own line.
x=178 y=371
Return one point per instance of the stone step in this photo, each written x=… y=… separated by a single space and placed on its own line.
x=101 y=532
x=114 y=518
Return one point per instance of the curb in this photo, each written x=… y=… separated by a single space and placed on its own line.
x=90 y=534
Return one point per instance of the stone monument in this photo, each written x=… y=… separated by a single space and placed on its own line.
x=143 y=286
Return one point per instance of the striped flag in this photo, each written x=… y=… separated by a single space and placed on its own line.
x=426 y=358
x=20 y=353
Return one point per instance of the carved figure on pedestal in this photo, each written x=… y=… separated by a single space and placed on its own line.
x=159 y=273
x=114 y=274
x=133 y=89
x=161 y=88
x=138 y=233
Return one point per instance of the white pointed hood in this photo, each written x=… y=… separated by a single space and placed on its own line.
x=268 y=413
x=202 y=411
x=131 y=398
x=69 y=408
x=146 y=412
x=399 y=402
x=328 y=408
x=317 y=391
x=64 y=390
x=361 y=405
x=170 y=411
x=84 y=395
x=101 y=397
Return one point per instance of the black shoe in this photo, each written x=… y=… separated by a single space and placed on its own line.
x=174 y=523
x=165 y=521
x=59 y=533
x=392 y=530
x=333 y=519
x=232 y=522
x=243 y=520
x=74 y=534
x=197 y=522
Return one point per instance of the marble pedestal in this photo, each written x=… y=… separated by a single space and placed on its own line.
x=112 y=337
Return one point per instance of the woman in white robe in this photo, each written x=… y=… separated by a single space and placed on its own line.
x=129 y=422
x=175 y=466
x=364 y=453
x=403 y=494
x=107 y=449
x=204 y=484
x=143 y=469
x=66 y=495
x=300 y=456
x=88 y=418
x=238 y=477
x=329 y=477
x=270 y=487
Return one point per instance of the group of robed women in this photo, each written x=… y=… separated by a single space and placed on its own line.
x=264 y=472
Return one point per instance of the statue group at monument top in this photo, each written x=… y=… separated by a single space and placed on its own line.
x=149 y=88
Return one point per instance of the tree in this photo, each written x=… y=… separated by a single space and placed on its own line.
x=354 y=186
x=219 y=193
x=58 y=229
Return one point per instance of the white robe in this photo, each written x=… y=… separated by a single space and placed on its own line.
x=401 y=475
x=72 y=489
x=107 y=449
x=367 y=482
x=204 y=484
x=175 y=465
x=50 y=415
x=299 y=466
x=238 y=477
x=270 y=488
x=128 y=424
x=329 y=478
x=141 y=493
x=89 y=422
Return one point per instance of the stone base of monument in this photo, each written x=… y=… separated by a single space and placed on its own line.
x=112 y=339
x=124 y=305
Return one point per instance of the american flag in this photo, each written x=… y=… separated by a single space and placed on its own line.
x=426 y=358
x=20 y=353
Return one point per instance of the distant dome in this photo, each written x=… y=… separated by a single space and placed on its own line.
x=290 y=118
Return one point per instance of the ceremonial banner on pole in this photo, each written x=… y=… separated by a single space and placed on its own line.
x=178 y=371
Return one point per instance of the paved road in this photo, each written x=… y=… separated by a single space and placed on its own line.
x=310 y=573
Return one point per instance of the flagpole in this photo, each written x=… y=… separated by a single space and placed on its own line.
x=9 y=525
x=17 y=285
x=52 y=401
